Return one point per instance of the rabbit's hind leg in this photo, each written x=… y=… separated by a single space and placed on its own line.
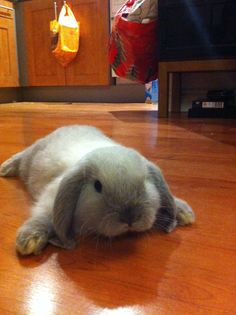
x=11 y=166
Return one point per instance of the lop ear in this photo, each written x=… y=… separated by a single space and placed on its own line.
x=64 y=208
x=166 y=215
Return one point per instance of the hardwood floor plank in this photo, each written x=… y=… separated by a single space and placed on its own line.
x=189 y=271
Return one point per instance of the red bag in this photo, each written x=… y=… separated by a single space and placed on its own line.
x=133 y=52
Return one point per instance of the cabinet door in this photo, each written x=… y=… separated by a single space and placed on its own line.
x=8 y=55
x=91 y=65
x=42 y=67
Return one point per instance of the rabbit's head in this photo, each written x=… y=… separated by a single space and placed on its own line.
x=112 y=191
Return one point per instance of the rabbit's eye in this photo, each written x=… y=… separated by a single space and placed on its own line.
x=98 y=186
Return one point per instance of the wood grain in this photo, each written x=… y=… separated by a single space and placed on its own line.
x=190 y=271
x=91 y=66
x=6 y=3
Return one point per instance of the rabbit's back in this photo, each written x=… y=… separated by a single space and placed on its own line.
x=51 y=156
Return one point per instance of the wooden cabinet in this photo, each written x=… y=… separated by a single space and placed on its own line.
x=8 y=52
x=42 y=68
x=90 y=66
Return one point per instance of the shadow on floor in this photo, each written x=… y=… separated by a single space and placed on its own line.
x=136 y=116
x=220 y=130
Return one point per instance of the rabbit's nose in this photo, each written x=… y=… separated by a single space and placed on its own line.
x=128 y=216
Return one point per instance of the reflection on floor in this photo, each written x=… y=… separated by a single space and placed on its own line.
x=189 y=271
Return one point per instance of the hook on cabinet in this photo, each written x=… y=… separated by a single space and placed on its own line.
x=55 y=10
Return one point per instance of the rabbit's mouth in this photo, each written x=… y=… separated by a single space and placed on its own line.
x=113 y=229
x=124 y=229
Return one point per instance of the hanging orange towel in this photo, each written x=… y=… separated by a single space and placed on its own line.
x=65 y=36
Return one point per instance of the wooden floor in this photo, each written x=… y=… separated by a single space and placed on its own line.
x=190 y=271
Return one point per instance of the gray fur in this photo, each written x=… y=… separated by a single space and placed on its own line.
x=166 y=216
x=60 y=172
x=65 y=206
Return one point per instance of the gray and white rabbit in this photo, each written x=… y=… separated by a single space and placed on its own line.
x=83 y=182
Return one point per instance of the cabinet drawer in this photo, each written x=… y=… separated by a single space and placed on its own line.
x=8 y=54
x=6 y=13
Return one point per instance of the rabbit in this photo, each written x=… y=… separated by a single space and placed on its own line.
x=82 y=182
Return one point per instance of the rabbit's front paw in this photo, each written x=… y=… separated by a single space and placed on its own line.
x=185 y=214
x=31 y=242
